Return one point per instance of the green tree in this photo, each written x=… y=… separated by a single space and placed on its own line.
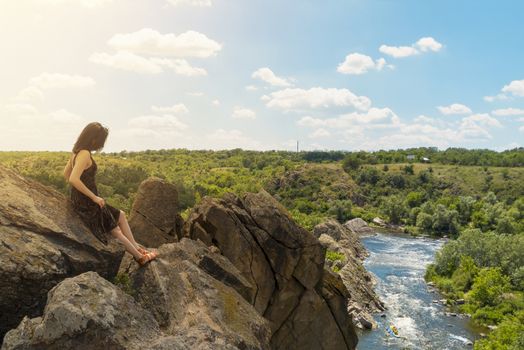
x=351 y=162
x=394 y=208
x=488 y=287
x=465 y=274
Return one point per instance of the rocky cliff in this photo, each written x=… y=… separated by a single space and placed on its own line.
x=241 y=275
x=284 y=263
x=42 y=241
x=344 y=240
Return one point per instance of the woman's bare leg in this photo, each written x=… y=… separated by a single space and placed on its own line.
x=117 y=233
x=126 y=230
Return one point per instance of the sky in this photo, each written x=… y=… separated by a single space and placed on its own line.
x=262 y=74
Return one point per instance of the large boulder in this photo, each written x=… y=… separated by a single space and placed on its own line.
x=86 y=312
x=284 y=262
x=42 y=241
x=359 y=226
x=198 y=294
x=363 y=301
x=155 y=218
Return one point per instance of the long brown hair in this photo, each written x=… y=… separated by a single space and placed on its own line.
x=92 y=138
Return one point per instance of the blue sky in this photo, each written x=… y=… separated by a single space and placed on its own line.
x=215 y=74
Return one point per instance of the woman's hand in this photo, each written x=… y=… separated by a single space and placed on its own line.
x=100 y=201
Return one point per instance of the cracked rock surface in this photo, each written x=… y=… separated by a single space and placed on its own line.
x=199 y=295
x=42 y=241
x=285 y=264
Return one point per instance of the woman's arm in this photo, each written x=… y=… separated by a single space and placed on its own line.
x=82 y=160
x=67 y=170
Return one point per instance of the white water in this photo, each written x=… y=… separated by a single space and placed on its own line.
x=399 y=263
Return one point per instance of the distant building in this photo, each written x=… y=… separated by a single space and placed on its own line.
x=425 y=160
x=411 y=157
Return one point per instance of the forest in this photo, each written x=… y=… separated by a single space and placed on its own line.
x=474 y=197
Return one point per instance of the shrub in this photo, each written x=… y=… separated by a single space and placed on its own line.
x=488 y=287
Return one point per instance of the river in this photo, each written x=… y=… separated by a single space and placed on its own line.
x=399 y=263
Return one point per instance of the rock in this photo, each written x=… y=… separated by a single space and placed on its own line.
x=431 y=284
x=340 y=238
x=378 y=221
x=200 y=295
x=492 y=328
x=383 y=315
x=42 y=241
x=154 y=217
x=460 y=301
x=359 y=226
x=284 y=262
x=363 y=301
x=86 y=312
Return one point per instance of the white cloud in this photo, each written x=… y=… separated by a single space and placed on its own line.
x=216 y=103
x=424 y=44
x=475 y=127
x=508 y=112
x=428 y=44
x=496 y=97
x=126 y=61
x=455 y=108
x=314 y=98
x=251 y=88
x=151 y=42
x=57 y=80
x=195 y=93
x=318 y=133
x=425 y=131
x=398 y=51
x=516 y=87
x=243 y=113
x=356 y=63
x=181 y=67
x=373 y=118
x=199 y=3
x=179 y=108
x=158 y=123
x=521 y=129
x=30 y=94
x=131 y=62
x=424 y=119
x=265 y=74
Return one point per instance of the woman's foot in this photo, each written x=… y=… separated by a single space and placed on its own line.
x=142 y=250
x=147 y=257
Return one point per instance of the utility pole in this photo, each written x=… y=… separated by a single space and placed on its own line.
x=297 y=146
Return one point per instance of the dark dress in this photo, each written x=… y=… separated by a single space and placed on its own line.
x=99 y=220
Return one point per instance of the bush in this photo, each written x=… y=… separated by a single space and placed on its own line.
x=508 y=335
x=488 y=287
x=465 y=274
x=351 y=162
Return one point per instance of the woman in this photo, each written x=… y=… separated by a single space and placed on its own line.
x=101 y=218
